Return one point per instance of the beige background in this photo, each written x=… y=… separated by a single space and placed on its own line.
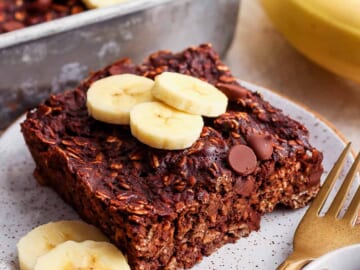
x=259 y=54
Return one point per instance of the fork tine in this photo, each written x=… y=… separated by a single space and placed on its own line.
x=353 y=209
x=319 y=200
x=338 y=202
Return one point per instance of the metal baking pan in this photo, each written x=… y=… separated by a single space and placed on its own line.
x=56 y=55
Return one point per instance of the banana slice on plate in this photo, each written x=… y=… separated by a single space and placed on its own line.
x=84 y=255
x=161 y=126
x=44 y=238
x=111 y=99
x=102 y=3
x=189 y=94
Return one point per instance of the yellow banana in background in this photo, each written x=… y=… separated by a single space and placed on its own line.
x=326 y=31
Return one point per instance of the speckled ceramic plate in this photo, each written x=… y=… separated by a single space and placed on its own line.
x=24 y=204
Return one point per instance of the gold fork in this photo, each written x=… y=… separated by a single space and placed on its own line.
x=317 y=235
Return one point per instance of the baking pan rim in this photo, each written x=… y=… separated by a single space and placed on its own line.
x=71 y=22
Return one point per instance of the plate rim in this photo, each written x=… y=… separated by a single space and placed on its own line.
x=14 y=125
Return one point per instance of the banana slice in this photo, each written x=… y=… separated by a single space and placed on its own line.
x=111 y=99
x=44 y=238
x=189 y=94
x=163 y=127
x=86 y=255
x=101 y=3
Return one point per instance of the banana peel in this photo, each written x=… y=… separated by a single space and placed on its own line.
x=326 y=31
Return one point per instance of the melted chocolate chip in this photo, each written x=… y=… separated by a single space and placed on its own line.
x=232 y=91
x=242 y=159
x=262 y=144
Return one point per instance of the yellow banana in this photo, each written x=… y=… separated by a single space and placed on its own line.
x=326 y=31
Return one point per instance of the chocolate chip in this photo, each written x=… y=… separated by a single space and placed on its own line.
x=232 y=91
x=262 y=144
x=242 y=159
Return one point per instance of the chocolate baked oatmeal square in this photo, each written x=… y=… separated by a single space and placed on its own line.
x=166 y=209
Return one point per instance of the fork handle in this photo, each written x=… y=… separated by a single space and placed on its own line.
x=295 y=261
